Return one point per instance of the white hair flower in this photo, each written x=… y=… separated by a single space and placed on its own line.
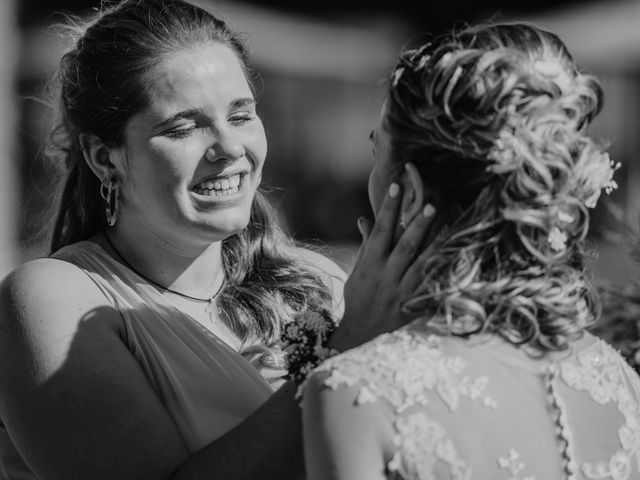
x=504 y=153
x=598 y=176
x=557 y=239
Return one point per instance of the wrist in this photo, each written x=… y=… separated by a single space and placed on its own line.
x=341 y=339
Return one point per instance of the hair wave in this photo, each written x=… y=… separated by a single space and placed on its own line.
x=494 y=118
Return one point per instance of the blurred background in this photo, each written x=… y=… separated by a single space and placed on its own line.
x=322 y=63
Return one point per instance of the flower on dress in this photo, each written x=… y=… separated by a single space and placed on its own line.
x=314 y=321
x=557 y=239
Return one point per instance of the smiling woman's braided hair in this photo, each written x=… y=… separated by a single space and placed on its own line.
x=494 y=118
x=101 y=83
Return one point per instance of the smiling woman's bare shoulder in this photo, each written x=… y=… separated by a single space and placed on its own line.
x=49 y=290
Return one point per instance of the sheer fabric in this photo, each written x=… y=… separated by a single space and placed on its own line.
x=483 y=408
x=207 y=387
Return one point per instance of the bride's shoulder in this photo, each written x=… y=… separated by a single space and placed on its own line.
x=393 y=349
x=379 y=361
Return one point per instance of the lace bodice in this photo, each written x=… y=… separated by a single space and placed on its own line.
x=482 y=408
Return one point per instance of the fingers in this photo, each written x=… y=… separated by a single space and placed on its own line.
x=410 y=244
x=364 y=227
x=381 y=235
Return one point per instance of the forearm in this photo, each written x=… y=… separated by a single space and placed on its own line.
x=267 y=445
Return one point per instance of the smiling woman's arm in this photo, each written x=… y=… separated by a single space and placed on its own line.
x=77 y=405
x=72 y=397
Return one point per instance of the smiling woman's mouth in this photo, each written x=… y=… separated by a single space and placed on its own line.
x=219 y=186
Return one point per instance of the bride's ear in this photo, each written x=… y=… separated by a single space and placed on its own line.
x=413 y=194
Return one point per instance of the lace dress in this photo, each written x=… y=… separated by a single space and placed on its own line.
x=484 y=409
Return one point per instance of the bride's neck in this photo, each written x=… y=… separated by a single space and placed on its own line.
x=192 y=269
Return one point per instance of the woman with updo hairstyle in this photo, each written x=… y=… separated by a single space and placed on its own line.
x=498 y=377
x=148 y=345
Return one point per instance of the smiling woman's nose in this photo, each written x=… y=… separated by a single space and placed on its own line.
x=225 y=148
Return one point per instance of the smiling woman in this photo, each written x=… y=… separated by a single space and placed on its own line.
x=147 y=345
x=199 y=136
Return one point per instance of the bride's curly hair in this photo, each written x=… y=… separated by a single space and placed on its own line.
x=494 y=118
x=101 y=83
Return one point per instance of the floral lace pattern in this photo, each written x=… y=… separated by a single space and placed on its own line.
x=421 y=442
x=404 y=368
x=409 y=368
x=600 y=373
x=513 y=464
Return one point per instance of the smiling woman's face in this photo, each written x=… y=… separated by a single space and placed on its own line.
x=194 y=158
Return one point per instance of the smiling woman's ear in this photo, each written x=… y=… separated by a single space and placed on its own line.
x=96 y=154
x=413 y=193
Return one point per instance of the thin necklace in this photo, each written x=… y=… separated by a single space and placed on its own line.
x=211 y=307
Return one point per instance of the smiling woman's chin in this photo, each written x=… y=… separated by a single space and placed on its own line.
x=224 y=226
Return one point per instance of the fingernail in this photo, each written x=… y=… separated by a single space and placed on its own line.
x=428 y=210
x=394 y=188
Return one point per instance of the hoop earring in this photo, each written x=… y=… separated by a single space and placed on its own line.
x=111 y=195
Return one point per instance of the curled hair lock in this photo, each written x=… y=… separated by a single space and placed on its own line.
x=494 y=117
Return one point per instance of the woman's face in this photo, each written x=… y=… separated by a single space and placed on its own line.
x=380 y=176
x=193 y=159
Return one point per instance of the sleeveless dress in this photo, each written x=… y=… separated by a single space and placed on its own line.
x=207 y=387
x=481 y=408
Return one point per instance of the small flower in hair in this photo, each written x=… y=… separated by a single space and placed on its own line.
x=557 y=239
x=503 y=153
x=396 y=76
x=610 y=184
x=601 y=178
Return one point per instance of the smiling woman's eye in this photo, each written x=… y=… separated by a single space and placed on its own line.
x=181 y=131
x=241 y=118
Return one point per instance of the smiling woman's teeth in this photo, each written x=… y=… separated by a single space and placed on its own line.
x=218 y=187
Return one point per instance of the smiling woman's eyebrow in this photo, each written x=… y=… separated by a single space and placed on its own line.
x=189 y=113
x=197 y=111
x=243 y=102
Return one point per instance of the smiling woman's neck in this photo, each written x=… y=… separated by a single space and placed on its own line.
x=194 y=270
